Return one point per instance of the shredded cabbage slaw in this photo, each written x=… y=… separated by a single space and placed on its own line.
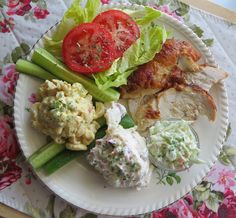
x=173 y=144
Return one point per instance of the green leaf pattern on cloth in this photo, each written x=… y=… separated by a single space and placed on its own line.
x=204 y=193
x=89 y=215
x=50 y=206
x=20 y=52
x=164 y=177
x=33 y=211
x=68 y=212
x=196 y=29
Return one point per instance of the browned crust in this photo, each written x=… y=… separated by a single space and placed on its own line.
x=152 y=114
x=162 y=71
x=143 y=77
x=172 y=49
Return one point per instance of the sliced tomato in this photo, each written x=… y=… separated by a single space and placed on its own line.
x=88 y=48
x=122 y=27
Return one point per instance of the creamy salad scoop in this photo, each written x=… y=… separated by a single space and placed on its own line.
x=121 y=156
x=173 y=145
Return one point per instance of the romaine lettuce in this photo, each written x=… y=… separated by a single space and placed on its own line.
x=143 y=50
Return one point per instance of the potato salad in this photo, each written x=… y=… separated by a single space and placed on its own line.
x=66 y=113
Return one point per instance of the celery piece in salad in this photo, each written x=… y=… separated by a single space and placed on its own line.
x=48 y=151
x=75 y=15
x=67 y=156
x=26 y=67
x=47 y=61
x=142 y=51
x=45 y=153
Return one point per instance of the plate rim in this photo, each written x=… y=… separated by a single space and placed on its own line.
x=184 y=190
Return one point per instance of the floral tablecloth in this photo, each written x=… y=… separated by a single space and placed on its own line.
x=22 y=22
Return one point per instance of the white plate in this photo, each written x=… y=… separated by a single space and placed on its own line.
x=80 y=185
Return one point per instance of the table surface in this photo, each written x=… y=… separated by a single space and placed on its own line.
x=230 y=4
x=34 y=198
x=213 y=8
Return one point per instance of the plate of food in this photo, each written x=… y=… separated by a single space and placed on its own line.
x=120 y=93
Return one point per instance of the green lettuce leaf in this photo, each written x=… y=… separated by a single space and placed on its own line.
x=75 y=15
x=150 y=16
x=142 y=51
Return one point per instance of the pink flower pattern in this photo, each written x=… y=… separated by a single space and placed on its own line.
x=18 y=7
x=178 y=209
x=105 y=1
x=21 y=8
x=9 y=150
x=9 y=173
x=165 y=9
x=33 y=98
x=40 y=13
x=222 y=178
x=226 y=179
x=7 y=84
x=227 y=208
x=6 y=25
x=9 y=146
x=204 y=212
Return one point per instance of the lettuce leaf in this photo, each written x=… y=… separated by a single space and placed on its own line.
x=142 y=51
x=75 y=15
x=149 y=16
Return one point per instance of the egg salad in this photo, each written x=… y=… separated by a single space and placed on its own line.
x=66 y=113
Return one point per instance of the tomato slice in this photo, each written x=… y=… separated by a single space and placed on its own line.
x=122 y=27
x=88 y=48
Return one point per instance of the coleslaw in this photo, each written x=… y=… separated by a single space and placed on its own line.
x=173 y=144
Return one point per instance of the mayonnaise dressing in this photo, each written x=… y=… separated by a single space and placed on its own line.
x=121 y=156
